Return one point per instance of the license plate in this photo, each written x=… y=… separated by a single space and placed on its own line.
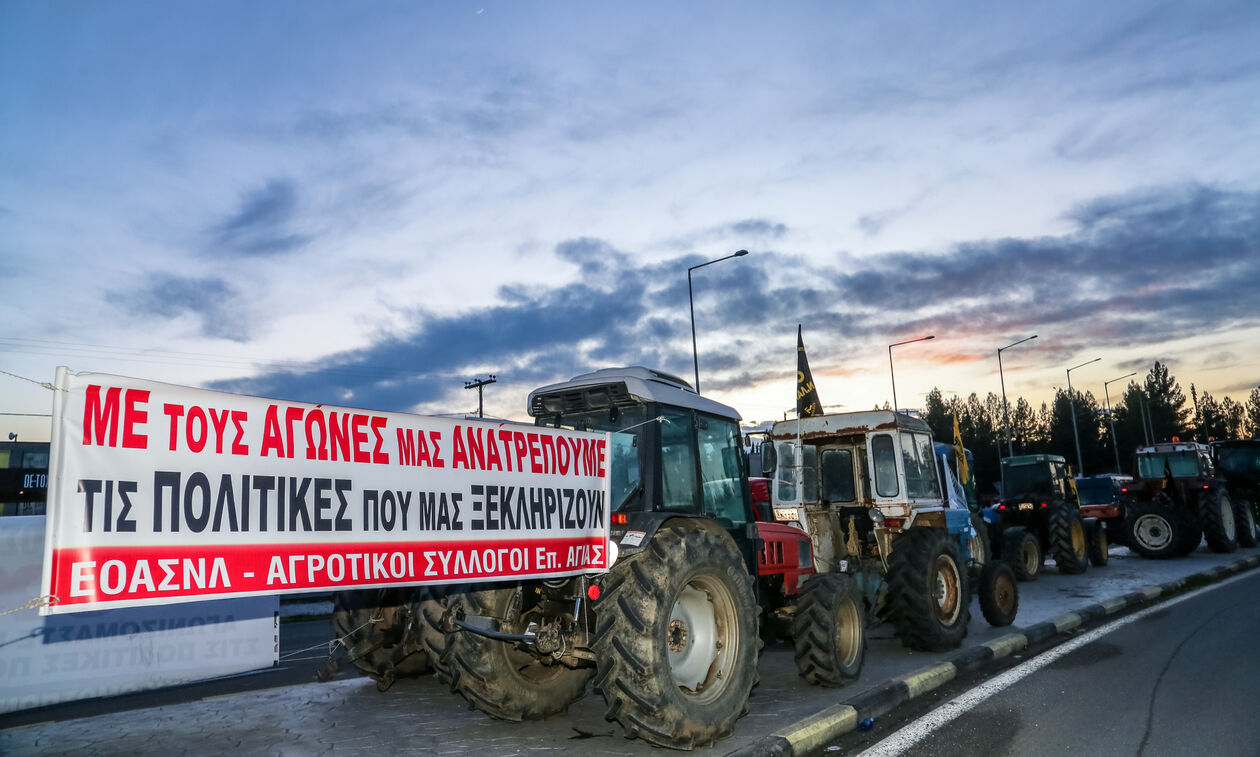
x=785 y=513
x=1026 y=506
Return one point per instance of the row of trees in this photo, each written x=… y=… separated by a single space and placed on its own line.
x=1151 y=411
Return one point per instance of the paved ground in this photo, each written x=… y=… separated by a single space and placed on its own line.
x=420 y=717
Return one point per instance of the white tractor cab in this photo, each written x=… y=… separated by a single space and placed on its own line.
x=866 y=487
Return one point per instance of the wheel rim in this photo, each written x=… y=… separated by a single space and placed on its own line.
x=1102 y=541
x=948 y=590
x=702 y=638
x=1227 y=519
x=848 y=633
x=1029 y=552
x=975 y=545
x=1152 y=531
x=1004 y=594
x=1078 y=538
x=1248 y=521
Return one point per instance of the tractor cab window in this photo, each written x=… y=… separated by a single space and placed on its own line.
x=626 y=453
x=798 y=476
x=678 y=461
x=1026 y=480
x=720 y=446
x=1182 y=465
x=884 y=457
x=837 y=475
x=920 y=466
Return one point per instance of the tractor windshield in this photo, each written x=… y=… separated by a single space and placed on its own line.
x=1182 y=465
x=626 y=453
x=1032 y=479
x=1096 y=491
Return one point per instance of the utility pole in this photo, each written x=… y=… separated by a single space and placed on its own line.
x=478 y=384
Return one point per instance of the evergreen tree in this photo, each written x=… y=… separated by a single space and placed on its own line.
x=1252 y=428
x=1166 y=404
x=1233 y=416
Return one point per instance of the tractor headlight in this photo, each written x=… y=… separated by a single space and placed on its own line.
x=877 y=516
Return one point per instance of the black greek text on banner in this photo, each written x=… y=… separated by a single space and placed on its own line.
x=160 y=493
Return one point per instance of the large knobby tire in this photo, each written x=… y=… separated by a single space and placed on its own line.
x=1245 y=519
x=1066 y=534
x=829 y=630
x=1217 y=516
x=373 y=624
x=928 y=591
x=1157 y=528
x=1098 y=547
x=999 y=593
x=428 y=609
x=1022 y=551
x=501 y=678
x=676 y=638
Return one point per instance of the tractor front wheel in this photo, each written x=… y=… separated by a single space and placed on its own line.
x=1097 y=537
x=829 y=630
x=676 y=639
x=999 y=593
x=1022 y=551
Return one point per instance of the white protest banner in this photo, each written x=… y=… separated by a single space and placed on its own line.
x=160 y=493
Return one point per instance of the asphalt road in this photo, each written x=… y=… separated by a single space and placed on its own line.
x=1180 y=679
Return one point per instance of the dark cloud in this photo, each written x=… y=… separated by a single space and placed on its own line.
x=211 y=300
x=740 y=233
x=1139 y=269
x=261 y=226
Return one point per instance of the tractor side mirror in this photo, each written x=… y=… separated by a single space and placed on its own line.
x=769 y=458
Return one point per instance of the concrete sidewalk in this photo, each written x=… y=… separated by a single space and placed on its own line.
x=420 y=717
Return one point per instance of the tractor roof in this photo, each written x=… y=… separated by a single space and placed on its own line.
x=847 y=424
x=1165 y=447
x=622 y=387
x=1032 y=459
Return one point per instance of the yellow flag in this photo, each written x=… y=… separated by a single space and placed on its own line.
x=960 y=455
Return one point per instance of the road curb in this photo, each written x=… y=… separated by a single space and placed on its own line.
x=816 y=731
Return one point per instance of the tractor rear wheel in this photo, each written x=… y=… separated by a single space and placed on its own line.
x=928 y=592
x=999 y=593
x=373 y=626
x=1066 y=533
x=829 y=630
x=502 y=678
x=428 y=609
x=676 y=639
x=1097 y=537
x=1217 y=516
x=1157 y=528
x=1245 y=518
x=1022 y=551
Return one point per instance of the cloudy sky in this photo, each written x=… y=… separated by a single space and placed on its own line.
x=370 y=203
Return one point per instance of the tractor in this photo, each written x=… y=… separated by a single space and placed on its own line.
x=1178 y=501
x=669 y=635
x=865 y=487
x=1038 y=514
x=1238 y=462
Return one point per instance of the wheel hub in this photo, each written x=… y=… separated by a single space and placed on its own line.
x=1227 y=520
x=948 y=590
x=1153 y=531
x=691 y=638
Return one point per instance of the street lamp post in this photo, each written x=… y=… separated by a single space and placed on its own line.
x=695 y=356
x=1080 y=466
x=892 y=374
x=1006 y=421
x=1115 y=445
